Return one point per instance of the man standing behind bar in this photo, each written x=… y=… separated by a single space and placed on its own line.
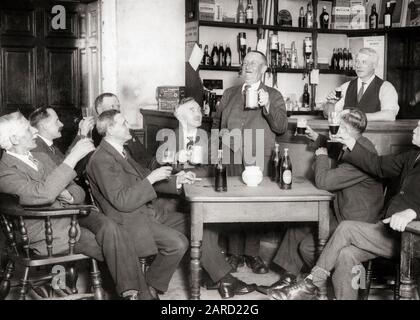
x=369 y=93
x=271 y=118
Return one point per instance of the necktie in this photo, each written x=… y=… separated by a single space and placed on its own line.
x=52 y=148
x=124 y=154
x=190 y=142
x=361 y=92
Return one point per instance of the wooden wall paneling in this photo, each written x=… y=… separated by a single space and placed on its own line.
x=18 y=23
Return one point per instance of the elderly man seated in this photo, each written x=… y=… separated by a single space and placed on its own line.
x=38 y=181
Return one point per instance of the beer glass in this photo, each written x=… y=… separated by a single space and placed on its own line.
x=87 y=113
x=301 y=127
x=334 y=123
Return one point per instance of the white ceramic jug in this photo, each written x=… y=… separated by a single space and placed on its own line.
x=252 y=176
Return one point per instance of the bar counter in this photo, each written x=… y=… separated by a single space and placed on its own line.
x=388 y=136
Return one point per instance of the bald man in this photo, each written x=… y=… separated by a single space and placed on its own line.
x=369 y=93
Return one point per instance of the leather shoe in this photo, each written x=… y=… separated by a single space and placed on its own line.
x=231 y=286
x=236 y=262
x=256 y=264
x=303 y=290
x=286 y=279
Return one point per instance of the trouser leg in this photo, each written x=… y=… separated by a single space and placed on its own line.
x=172 y=246
x=102 y=236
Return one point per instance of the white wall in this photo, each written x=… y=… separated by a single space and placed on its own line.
x=143 y=47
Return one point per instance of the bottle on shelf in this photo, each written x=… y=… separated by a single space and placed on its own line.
x=333 y=58
x=388 y=16
x=340 y=61
x=307 y=51
x=274 y=50
x=302 y=19
x=206 y=56
x=275 y=164
x=305 y=97
x=286 y=171
x=242 y=46
x=345 y=59
x=350 y=63
x=324 y=18
x=249 y=13
x=215 y=56
x=309 y=17
x=283 y=57
x=241 y=12
x=293 y=62
x=221 y=55
x=220 y=174
x=228 y=56
x=373 y=18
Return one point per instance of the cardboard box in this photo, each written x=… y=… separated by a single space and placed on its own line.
x=167 y=104
x=170 y=92
x=358 y=14
x=340 y=17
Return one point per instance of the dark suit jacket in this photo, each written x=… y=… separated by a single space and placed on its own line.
x=41 y=187
x=231 y=115
x=42 y=147
x=403 y=165
x=359 y=196
x=123 y=193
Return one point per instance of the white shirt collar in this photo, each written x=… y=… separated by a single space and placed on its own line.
x=254 y=86
x=116 y=146
x=47 y=141
x=367 y=83
x=24 y=158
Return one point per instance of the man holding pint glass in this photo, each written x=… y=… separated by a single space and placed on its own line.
x=369 y=93
x=250 y=108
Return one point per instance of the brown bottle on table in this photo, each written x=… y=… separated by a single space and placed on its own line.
x=220 y=174
x=286 y=171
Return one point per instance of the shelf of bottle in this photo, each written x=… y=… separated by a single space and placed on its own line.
x=348 y=32
x=349 y=73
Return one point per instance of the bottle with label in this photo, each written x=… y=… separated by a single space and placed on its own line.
x=220 y=174
x=228 y=56
x=302 y=19
x=345 y=59
x=274 y=50
x=324 y=18
x=309 y=17
x=340 y=59
x=388 y=16
x=293 y=57
x=305 y=97
x=350 y=60
x=307 y=51
x=241 y=12
x=242 y=46
x=249 y=13
x=286 y=171
x=221 y=55
x=373 y=18
x=275 y=164
x=215 y=55
x=206 y=57
x=283 y=57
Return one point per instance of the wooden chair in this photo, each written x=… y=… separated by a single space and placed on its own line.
x=410 y=253
x=12 y=218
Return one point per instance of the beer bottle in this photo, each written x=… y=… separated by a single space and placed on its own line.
x=286 y=171
x=274 y=48
x=215 y=55
x=305 y=97
x=309 y=17
x=241 y=12
x=340 y=59
x=332 y=64
x=373 y=18
x=388 y=16
x=345 y=59
x=228 y=56
x=324 y=18
x=221 y=55
x=302 y=19
x=275 y=165
x=350 y=60
x=249 y=13
x=206 y=57
x=220 y=174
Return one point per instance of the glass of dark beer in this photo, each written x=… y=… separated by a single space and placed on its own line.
x=301 y=127
x=334 y=123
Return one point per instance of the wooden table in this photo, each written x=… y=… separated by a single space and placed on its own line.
x=265 y=203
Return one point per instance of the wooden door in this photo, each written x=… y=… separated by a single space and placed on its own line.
x=41 y=65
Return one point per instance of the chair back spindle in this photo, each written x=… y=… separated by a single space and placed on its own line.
x=72 y=233
x=24 y=236
x=49 y=236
